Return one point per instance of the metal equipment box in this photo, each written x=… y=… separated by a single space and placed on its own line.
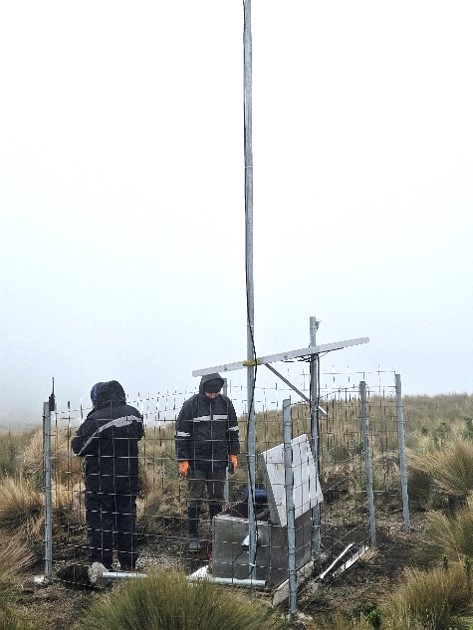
x=230 y=559
x=230 y=553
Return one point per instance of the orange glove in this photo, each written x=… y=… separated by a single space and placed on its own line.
x=234 y=463
x=184 y=468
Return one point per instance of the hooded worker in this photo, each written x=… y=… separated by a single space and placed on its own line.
x=207 y=442
x=108 y=441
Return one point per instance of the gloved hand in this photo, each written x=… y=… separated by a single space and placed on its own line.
x=233 y=464
x=184 y=468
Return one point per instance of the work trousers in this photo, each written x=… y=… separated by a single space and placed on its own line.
x=205 y=476
x=111 y=524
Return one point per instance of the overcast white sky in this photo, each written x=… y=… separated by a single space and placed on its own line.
x=121 y=190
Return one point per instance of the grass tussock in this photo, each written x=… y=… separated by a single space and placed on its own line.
x=159 y=509
x=162 y=494
x=10 y=619
x=452 y=534
x=435 y=599
x=450 y=471
x=12 y=445
x=21 y=508
x=166 y=600
x=68 y=506
x=67 y=469
x=14 y=558
x=157 y=449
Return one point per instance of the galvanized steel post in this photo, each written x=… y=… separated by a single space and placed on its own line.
x=48 y=520
x=251 y=355
x=402 y=451
x=368 y=464
x=290 y=507
x=226 y=487
x=314 y=421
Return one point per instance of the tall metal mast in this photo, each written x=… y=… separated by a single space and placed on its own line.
x=251 y=354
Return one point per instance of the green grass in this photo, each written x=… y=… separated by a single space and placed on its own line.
x=452 y=534
x=168 y=601
x=436 y=599
x=450 y=468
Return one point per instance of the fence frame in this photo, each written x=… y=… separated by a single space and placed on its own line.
x=287 y=426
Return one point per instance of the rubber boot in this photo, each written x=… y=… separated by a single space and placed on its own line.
x=193 y=524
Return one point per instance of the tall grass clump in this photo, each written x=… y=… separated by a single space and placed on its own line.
x=66 y=468
x=450 y=471
x=269 y=427
x=452 y=534
x=21 y=508
x=12 y=446
x=158 y=448
x=162 y=493
x=14 y=558
x=167 y=601
x=435 y=599
x=10 y=619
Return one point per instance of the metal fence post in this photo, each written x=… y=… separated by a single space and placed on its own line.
x=402 y=451
x=290 y=507
x=314 y=421
x=48 y=518
x=226 y=487
x=368 y=463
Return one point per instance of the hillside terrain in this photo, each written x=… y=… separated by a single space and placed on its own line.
x=439 y=437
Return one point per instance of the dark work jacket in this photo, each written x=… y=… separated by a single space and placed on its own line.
x=207 y=430
x=108 y=440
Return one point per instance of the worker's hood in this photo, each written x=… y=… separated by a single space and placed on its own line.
x=107 y=393
x=214 y=382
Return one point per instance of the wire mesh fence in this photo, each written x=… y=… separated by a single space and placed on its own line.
x=358 y=461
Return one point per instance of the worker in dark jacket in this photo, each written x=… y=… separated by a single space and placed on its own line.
x=108 y=442
x=207 y=442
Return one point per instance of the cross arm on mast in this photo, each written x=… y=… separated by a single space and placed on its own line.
x=282 y=356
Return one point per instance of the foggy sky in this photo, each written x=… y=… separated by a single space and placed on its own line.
x=122 y=190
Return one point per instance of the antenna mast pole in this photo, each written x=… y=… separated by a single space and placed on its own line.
x=251 y=354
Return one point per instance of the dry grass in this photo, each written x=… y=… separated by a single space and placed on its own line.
x=68 y=506
x=440 y=437
x=428 y=412
x=21 y=508
x=161 y=507
x=67 y=469
x=15 y=557
x=436 y=599
x=450 y=469
x=452 y=534
x=12 y=445
x=169 y=601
